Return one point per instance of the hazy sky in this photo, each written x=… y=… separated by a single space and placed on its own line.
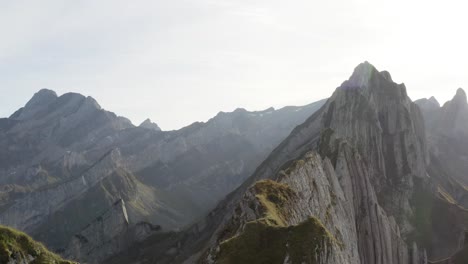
x=180 y=61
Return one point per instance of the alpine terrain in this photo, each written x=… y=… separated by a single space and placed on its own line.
x=88 y=183
x=365 y=179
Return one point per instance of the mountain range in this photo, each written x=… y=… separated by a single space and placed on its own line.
x=366 y=176
x=65 y=161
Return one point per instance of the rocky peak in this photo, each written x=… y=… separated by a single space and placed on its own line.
x=374 y=85
x=428 y=106
x=77 y=100
x=453 y=116
x=150 y=125
x=377 y=117
x=434 y=101
x=39 y=101
x=361 y=75
x=457 y=103
x=42 y=96
x=430 y=109
x=460 y=97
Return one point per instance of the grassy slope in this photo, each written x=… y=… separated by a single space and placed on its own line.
x=17 y=245
x=269 y=239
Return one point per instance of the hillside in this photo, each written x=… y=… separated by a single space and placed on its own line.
x=17 y=247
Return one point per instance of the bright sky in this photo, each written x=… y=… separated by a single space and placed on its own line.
x=181 y=61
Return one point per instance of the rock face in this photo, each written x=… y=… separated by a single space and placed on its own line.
x=308 y=210
x=99 y=236
x=107 y=235
x=64 y=161
x=359 y=168
x=18 y=248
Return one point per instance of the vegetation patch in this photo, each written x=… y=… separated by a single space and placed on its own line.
x=273 y=197
x=20 y=247
x=264 y=243
x=270 y=240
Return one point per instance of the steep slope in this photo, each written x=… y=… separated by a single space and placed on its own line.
x=357 y=167
x=17 y=247
x=110 y=233
x=64 y=161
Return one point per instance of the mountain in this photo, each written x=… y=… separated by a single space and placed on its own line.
x=65 y=162
x=448 y=138
x=355 y=183
x=17 y=247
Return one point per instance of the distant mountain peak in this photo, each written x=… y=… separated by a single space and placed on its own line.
x=460 y=96
x=362 y=74
x=42 y=96
x=374 y=85
x=458 y=101
x=240 y=110
x=428 y=104
x=46 y=91
x=40 y=99
x=433 y=100
x=365 y=75
x=150 y=125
